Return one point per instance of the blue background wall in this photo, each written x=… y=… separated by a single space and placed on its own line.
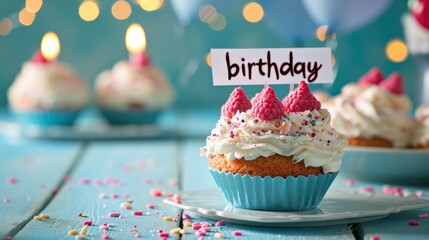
x=94 y=46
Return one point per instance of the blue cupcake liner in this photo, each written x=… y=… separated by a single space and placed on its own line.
x=273 y=193
x=130 y=117
x=46 y=118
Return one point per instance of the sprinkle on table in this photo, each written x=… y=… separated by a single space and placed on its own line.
x=237 y=233
x=414 y=223
x=423 y=215
x=376 y=237
x=114 y=214
x=73 y=232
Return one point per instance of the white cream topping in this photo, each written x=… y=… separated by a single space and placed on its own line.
x=47 y=86
x=307 y=136
x=128 y=87
x=421 y=131
x=372 y=112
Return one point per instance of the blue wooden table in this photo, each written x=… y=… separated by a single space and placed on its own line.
x=76 y=181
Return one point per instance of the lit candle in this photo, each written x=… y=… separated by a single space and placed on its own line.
x=135 y=40
x=49 y=49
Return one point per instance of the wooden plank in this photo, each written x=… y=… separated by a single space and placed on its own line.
x=196 y=177
x=128 y=169
x=38 y=168
x=395 y=226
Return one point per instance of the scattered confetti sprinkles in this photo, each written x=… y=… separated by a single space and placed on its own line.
x=218 y=235
x=183 y=231
x=237 y=233
x=44 y=216
x=6 y=200
x=87 y=222
x=137 y=213
x=83 y=230
x=414 y=223
x=350 y=182
x=154 y=192
x=220 y=223
x=105 y=236
x=73 y=232
x=11 y=180
x=150 y=206
x=168 y=218
x=423 y=215
x=38 y=218
x=114 y=214
x=175 y=231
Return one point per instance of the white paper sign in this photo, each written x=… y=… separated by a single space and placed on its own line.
x=271 y=66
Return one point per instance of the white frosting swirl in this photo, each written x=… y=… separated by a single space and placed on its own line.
x=47 y=86
x=372 y=112
x=128 y=87
x=421 y=131
x=307 y=136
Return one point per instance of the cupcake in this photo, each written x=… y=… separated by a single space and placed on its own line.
x=47 y=93
x=421 y=130
x=272 y=155
x=133 y=92
x=374 y=112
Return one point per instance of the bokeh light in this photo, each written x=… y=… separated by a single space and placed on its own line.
x=321 y=33
x=207 y=13
x=26 y=17
x=135 y=38
x=88 y=10
x=151 y=5
x=219 y=23
x=209 y=59
x=5 y=26
x=121 y=10
x=33 y=5
x=396 y=50
x=253 y=12
x=50 y=46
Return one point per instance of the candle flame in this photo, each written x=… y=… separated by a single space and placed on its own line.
x=135 y=39
x=50 y=46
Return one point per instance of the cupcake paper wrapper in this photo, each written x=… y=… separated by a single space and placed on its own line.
x=273 y=193
x=46 y=118
x=129 y=117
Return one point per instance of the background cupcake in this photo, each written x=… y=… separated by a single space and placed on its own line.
x=421 y=130
x=373 y=112
x=134 y=91
x=46 y=91
x=273 y=155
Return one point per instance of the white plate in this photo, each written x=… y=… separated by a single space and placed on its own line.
x=404 y=166
x=340 y=206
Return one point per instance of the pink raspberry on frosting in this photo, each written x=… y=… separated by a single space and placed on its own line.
x=300 y=100
x=393 y=84
x=237 y=101
x=373 y=77
x=256 y=97
x=267 y=107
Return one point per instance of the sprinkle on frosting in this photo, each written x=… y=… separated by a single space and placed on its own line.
x=237 y=101
x=301 y=100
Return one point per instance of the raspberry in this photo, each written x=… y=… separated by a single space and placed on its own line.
x=256 y=97
x=237 y=101
x=38 y=58
x=373 y=77
x=300 y=100
x=267 y=107
x=393 y=84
